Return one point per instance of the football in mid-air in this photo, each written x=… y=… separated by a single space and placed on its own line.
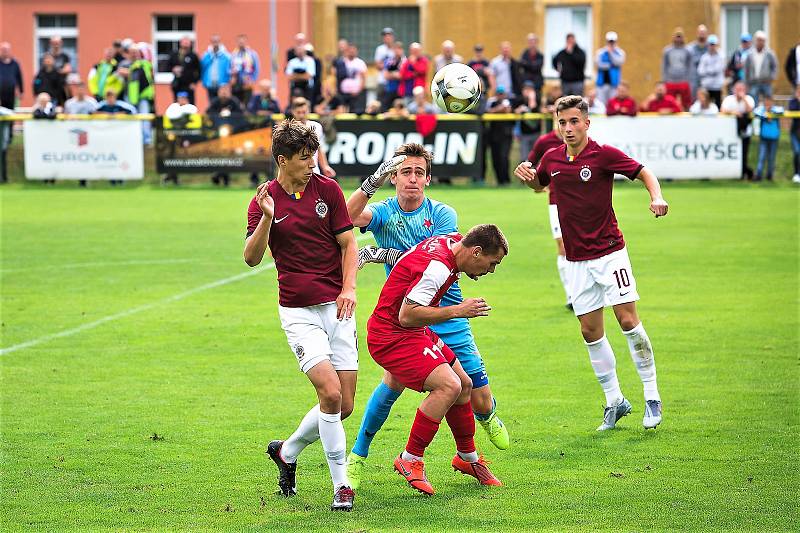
x=456 y=88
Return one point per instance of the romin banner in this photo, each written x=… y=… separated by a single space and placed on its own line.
x=680 y=147
x=83 y=149
x=361 y=145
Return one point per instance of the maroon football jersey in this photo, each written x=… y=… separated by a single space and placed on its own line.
x=588 y=224
x=423 y=274
x=541 y=147
x=303 y=242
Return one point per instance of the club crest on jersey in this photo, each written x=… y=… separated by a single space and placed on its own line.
x=321 y=208
x=298 y=349
x=585 y=173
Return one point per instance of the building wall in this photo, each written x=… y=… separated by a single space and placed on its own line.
x=100 y=23
x=644 y=27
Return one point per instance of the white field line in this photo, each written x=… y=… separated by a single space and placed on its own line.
x=144 y=307
x=101 y=264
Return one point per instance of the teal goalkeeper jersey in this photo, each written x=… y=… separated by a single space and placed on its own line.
x=395 y=228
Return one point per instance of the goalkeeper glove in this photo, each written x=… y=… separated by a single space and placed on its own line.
x=387 y=168
x=373 y=254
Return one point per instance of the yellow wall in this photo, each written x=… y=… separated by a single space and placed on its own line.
x=644 y=27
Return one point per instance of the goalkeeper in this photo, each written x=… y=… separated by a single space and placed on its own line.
x=399 y=223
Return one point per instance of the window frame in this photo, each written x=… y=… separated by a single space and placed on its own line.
x=66 y=32
x=171 y=36
x=723 y=23
x=547 y=69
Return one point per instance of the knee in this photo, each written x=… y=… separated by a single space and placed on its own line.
x=452 y=387
x=331 y=396
x=591 y=333
x=466 y=387
x=628 y=321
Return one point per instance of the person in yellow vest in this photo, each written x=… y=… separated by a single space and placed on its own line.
x=103 y=75
x=141 y=89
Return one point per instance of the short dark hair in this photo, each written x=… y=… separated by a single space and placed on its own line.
x=570 y=101
x=488 y=237
x=292 y=137
x=299 y=101
x=416 y=150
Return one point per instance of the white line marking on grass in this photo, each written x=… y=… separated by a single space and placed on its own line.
x=101 y=264
x=145 y=307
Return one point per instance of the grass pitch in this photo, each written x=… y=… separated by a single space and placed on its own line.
x=154 y=408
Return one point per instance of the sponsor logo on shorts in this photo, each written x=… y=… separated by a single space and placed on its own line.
x=321 y=208
x=299 y=351
x=624 y=293
x=585 y=173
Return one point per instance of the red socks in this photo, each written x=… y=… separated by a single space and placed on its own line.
x=462 y=424
x=422 y=432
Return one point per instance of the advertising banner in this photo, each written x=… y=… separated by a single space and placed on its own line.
x=361 y=145
x=680 y=147
x=83 y=149
x=231 y=142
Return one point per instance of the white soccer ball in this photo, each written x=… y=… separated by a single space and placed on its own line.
x=456 y=88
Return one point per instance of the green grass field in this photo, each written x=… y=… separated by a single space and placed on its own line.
x=153 y=410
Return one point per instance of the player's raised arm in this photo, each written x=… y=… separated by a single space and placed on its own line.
x=528 y=176
x=658 y=205
x=256 y=243
x=357 y=203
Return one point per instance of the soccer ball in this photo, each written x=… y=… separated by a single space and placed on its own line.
x=456 y=88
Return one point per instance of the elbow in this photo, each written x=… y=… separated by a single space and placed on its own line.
x=251 y=262
x=405 y=320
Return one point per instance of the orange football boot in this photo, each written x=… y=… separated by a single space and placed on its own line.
x=478 y=470
x=414 y=472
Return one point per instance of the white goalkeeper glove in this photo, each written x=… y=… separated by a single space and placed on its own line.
x=373 y=254
x=387 y=168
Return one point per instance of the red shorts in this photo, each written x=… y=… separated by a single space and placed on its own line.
x=408 y=356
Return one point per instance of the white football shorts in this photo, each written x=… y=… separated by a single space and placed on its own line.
x=601 y=282
x=555 y=225
x=315 y=334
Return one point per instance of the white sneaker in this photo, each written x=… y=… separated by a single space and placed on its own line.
x=652 y=414
x=796 y=178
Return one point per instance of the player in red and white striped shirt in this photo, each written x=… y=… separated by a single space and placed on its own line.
x=400 y=341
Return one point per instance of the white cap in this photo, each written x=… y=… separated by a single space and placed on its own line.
x=611 y=36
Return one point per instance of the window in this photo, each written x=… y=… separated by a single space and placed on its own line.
x=362 y=26
x=168 y=30
x=572 y=19
x=740 y=18
x=47 y=26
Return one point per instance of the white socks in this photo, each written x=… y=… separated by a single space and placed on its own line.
x=306 y=433
x=561 y=262
x=642 y=355
x=410 y=456
x=331 y=433
x=605 y=368
x=471 y=457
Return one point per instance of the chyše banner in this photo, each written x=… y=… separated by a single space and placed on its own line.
x=83 y=149
x=675 y=147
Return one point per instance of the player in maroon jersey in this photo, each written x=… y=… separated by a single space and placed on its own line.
x=599 y=269
x=303 y=219
x=540 y=147
x=400 y=341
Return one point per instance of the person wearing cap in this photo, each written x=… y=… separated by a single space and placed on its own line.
x=384 y=52
x=697 y=48
x=480 y=65
x=570 y=64
x=711 y=70
x=760 y=67
x=609 y=61
x=676 y=69
x=80 y=103
x=447 y=56
x=735 y=70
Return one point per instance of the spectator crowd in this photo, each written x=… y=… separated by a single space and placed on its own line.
x=696 y=77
